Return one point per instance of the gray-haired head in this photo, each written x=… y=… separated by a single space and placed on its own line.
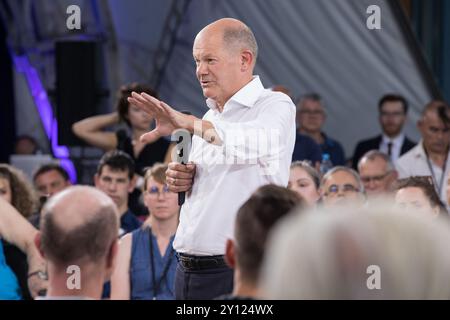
x=310 y=97
x=237 y=36
x=376 y=154
x=344 y=169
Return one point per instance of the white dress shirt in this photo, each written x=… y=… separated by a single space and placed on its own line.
x=414 y=163
x=257 y=129
x=396 y=149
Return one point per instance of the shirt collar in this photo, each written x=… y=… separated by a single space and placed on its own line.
x=419 y=151
x=246 y=96
x=398 y=140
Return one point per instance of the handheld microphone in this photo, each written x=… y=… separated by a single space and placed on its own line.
x=183 y=139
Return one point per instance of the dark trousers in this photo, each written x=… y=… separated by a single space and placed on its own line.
x=204 y=284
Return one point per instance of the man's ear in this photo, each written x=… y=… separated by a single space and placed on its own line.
x=230 y=254
x=132 y=184
x=246 y=60
x=37 y=242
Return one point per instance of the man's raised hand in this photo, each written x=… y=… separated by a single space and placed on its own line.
x=167 y=119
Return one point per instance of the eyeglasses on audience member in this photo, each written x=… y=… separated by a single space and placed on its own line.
x=346 y=188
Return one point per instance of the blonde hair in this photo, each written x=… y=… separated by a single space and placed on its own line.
x=328 y=255
x=157 y=172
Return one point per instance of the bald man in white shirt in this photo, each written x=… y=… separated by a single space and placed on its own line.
x=244 y=141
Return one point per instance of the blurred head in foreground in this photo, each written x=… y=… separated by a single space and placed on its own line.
x=360 y=253
x=254 y=221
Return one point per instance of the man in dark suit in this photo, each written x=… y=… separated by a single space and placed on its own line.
x=393 y=111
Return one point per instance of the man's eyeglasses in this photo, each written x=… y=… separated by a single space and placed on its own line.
x=154 y=191
x=378 y=178
x=346 y=188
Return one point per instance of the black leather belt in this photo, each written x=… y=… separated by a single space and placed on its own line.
x=191 y=262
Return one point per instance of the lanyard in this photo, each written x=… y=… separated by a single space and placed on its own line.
x=156 y=285
x=441 y=183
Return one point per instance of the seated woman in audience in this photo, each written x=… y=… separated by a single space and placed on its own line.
x=146 y=261
x=16 y=190
x=93 y=131
x=418 y=193
x=16 y=230
x=305 y=180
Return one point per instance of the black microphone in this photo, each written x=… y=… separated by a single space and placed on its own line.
x=183 y=138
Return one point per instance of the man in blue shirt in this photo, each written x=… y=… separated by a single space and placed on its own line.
x=311 y=117
x=306 y=148
x=115 y=177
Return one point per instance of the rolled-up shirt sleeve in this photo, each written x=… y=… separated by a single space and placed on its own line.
x=263 y=138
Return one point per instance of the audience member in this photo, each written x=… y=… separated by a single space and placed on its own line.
x=48 y=180
x=18 y=232
x=393 y=111
x=340 y=186
x=16 y=190
x=25 y=145
x=430 y=156
x=87 y=220
x=115 y=177
x=92 y=130
x=144 y=154
x=419 y=194
x=147 y=261
x=377 y=173
x=355 y=253
x=254 y=221
x=306 y=148
x=305 y=180
x=311 y=117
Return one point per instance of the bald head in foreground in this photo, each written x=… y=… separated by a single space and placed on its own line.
x=78 y=238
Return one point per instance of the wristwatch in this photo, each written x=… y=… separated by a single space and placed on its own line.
x=41 y=274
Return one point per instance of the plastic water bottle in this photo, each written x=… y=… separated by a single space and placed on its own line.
x=326 y=164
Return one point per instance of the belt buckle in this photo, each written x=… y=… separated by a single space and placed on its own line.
x=187 y=263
